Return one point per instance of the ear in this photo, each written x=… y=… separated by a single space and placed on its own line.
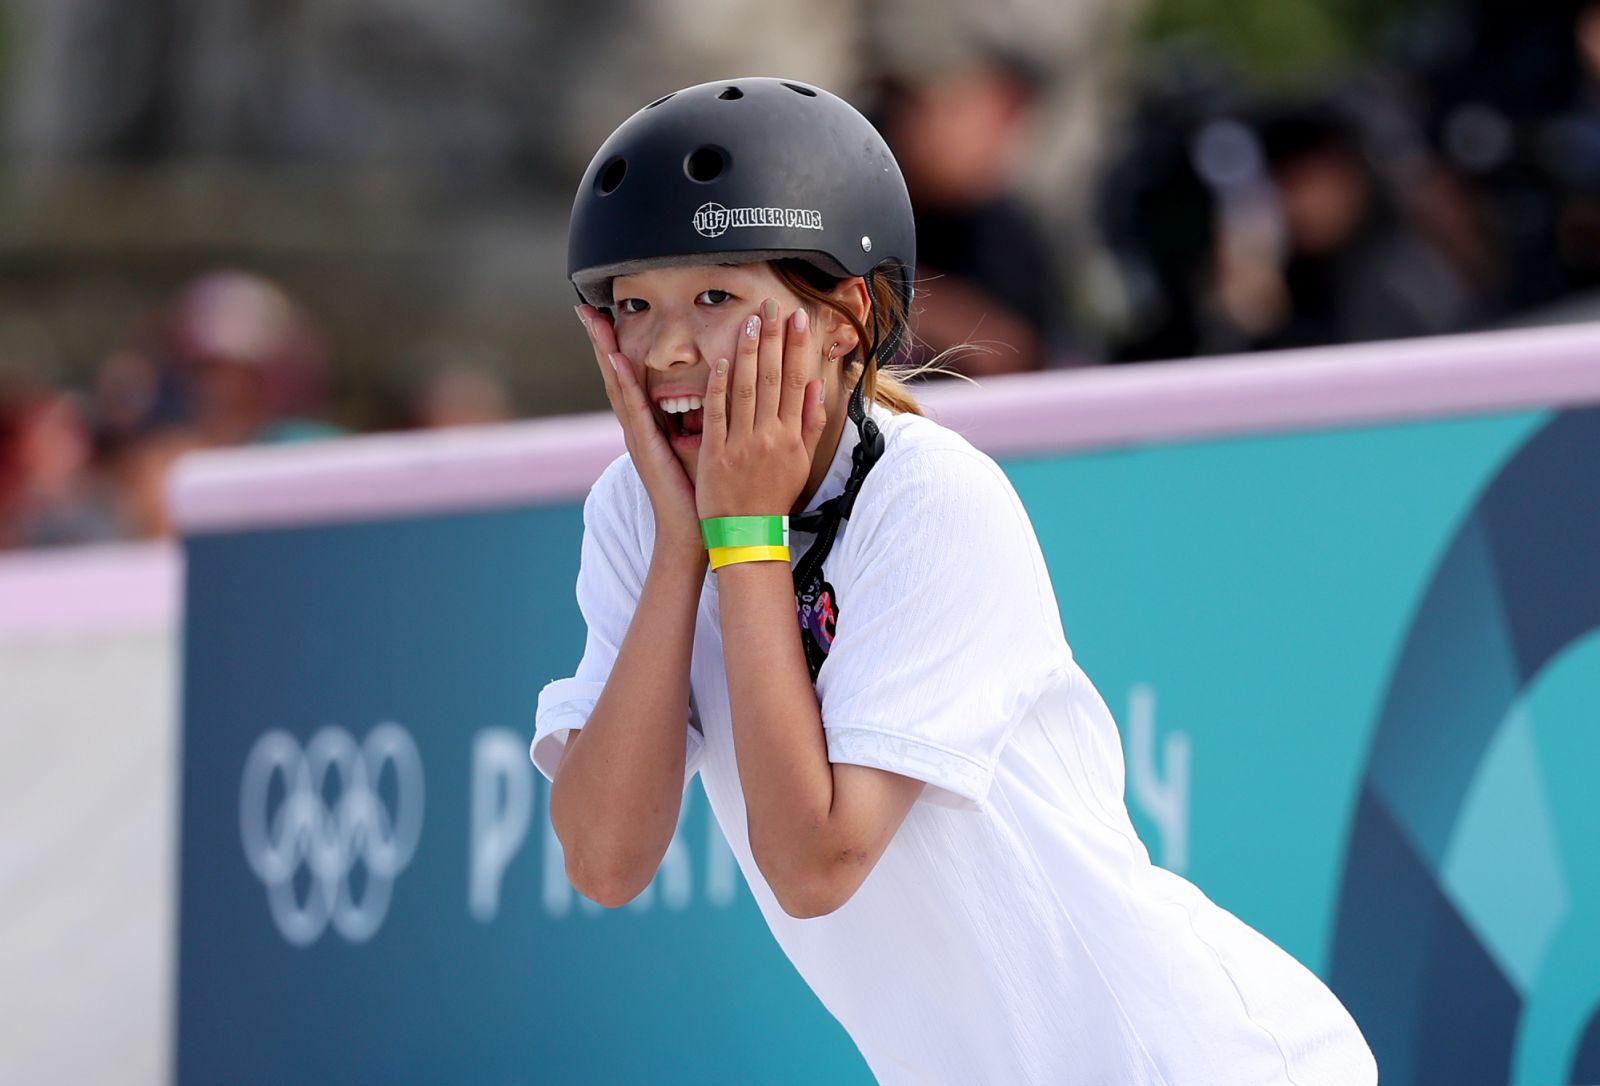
x=852 y=294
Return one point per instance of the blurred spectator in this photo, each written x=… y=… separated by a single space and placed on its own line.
x=959 y=89
x=1508 y=92
x=986 y=271
x=1573 y=145
x=48 y=493
x=254 y=364
x=1354 y=269
x=232 y=360
x=1160 y=211
x=456 y=386
x=463 y=396
x=141 y=470
x=143 y=422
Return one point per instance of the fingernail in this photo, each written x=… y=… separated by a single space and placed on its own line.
x=824 y=388
x=801 y=320
x=617 y=361
x=722 y=366
x=752 y=327
x=769 y=309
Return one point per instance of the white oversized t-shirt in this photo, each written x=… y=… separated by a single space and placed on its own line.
x=1014 y=930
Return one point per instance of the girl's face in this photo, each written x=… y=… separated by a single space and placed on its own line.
x=675 y=323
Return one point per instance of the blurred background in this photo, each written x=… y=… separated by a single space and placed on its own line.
x=241 y=221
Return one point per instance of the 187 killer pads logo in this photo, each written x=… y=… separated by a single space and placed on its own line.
x=714 y=220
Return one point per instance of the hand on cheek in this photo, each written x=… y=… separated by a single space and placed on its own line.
x=764 y=417
x=669 y=486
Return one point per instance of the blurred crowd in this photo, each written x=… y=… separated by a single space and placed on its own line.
x=1451 y=183
x=231 y=361
x=1083 y=198
x=1454 y=187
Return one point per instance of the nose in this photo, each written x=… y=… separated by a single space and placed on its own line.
x=673 y=344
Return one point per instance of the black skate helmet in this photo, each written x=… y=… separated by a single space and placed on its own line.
x=743 y=170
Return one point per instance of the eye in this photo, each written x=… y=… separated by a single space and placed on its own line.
x=632 y=305
x=713 y=296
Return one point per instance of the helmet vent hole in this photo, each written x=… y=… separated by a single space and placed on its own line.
x=798 y=89
x=730 y=94
x=611 y=176
x=706 y=164
x=658 y=101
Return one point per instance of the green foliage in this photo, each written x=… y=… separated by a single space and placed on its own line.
x=1278 y=42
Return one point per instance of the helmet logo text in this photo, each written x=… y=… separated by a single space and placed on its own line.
x=713 y=220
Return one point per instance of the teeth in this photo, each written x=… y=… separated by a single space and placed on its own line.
x=674 y=405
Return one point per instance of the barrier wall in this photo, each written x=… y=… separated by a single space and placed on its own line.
x=1343 y=604
x=88 y=802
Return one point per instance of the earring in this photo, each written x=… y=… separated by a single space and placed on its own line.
x=832 y=351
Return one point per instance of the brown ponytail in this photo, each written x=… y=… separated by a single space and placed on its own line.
x=884 y=384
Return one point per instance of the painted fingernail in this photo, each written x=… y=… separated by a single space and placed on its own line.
x=617 y=361
x=769 y=309
x=752 y=327
x=802 y=320
x=722 y=366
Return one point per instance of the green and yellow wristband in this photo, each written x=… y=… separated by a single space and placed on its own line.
x=745 y=539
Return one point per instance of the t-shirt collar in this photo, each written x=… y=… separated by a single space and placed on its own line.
x=839 y=467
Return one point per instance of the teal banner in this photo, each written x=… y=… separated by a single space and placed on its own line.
x=1356 y=673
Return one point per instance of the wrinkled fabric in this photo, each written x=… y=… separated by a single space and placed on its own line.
x=1014 y=930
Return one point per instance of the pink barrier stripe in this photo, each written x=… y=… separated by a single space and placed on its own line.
x=386 y=475
x=114 y=588
x=558 y=459
x=1287 y=390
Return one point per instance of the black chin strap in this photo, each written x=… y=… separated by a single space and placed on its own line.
x=812 y=594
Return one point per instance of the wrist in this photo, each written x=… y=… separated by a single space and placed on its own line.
x=738 y=540
x=688 y=558
x=755 y=572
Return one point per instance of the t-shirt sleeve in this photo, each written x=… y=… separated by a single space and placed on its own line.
x=947 y=630
x=611 y=573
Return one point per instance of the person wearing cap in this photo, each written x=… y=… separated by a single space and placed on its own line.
x=921 y=787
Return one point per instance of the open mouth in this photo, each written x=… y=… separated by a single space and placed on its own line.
x=684 y=423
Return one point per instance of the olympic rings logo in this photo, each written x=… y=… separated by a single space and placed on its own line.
x=305 y=828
